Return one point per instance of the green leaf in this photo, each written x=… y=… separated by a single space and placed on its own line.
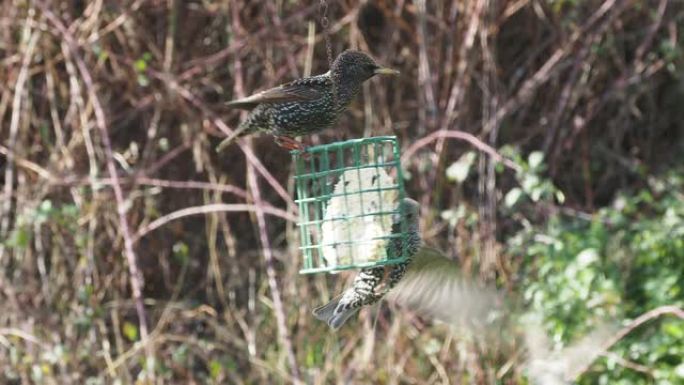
x=679 y=371
x=140 y=65
x=130 y=331
x=19 y=238
x=180 y=354
x=458 y=171
x=560 y=197
x=512 y=197
x=454 y=215
x=181 y=252
x=536 y=194
x=535 y=159
x=215 y=368
x=45 y=210
x=530 y=182
x=675 y=329
x=143 y=81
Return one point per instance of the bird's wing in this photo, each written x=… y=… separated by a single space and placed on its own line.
x=310 y=88
x=433 y=286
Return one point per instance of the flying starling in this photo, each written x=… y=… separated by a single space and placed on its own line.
x=366 y=289
x=427 y=282
x=307 y=105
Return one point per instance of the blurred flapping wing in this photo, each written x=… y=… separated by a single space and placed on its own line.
x=434 y=287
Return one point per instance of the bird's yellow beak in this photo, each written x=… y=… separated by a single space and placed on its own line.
x=385 y=71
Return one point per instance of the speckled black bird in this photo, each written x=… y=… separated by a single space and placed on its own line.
x=307 y=105
x=364 y=290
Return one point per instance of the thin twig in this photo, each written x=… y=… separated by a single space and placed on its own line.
x=18 y=333
x=529 y=87
x=14 y=129
x=209 y=209
x=25 y=163
x=145 y=181
x=272 y=280
x=136 y=278
x=261 y=222
x=249 y=153
x=629 y=364
x=197 y=66
x=470 y=138
x=166 y=158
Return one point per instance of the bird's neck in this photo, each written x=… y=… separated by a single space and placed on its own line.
x=345 y=89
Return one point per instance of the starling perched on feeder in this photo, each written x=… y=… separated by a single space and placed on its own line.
x=307 y=105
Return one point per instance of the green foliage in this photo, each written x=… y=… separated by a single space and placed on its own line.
x=533 y=185
x=626 y=260
x=64 y=216
x=458 y=171
x=130 y=331
x=141 y=66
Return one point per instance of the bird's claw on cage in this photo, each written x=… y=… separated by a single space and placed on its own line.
x=289 y=143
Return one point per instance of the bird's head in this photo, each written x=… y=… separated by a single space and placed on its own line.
x=406 y=220
x=409 y=210
x=355 y=66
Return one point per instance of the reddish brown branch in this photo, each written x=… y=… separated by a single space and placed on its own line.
x=642 y=319
x=470 y=138
x=145 y=181
x=209 y=209
x=281 y=321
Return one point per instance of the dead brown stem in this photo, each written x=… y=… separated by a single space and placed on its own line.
x=136 y=278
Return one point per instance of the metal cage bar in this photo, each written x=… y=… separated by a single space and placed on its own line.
x=319 y=172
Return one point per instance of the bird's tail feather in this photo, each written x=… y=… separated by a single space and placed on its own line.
x=328 y=313
x=240 y=131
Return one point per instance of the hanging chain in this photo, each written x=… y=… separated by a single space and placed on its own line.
x=325 y=22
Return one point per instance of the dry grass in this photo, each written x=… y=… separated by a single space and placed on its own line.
x=132 y=251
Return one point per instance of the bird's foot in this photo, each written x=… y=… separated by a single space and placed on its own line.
x=288 y=143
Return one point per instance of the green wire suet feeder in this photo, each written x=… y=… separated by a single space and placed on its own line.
x=348 y=195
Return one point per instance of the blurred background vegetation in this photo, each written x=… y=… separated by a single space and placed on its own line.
x=130 y=252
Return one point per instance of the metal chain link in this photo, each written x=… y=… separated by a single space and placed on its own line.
x=323 y=13
x=325 y=22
